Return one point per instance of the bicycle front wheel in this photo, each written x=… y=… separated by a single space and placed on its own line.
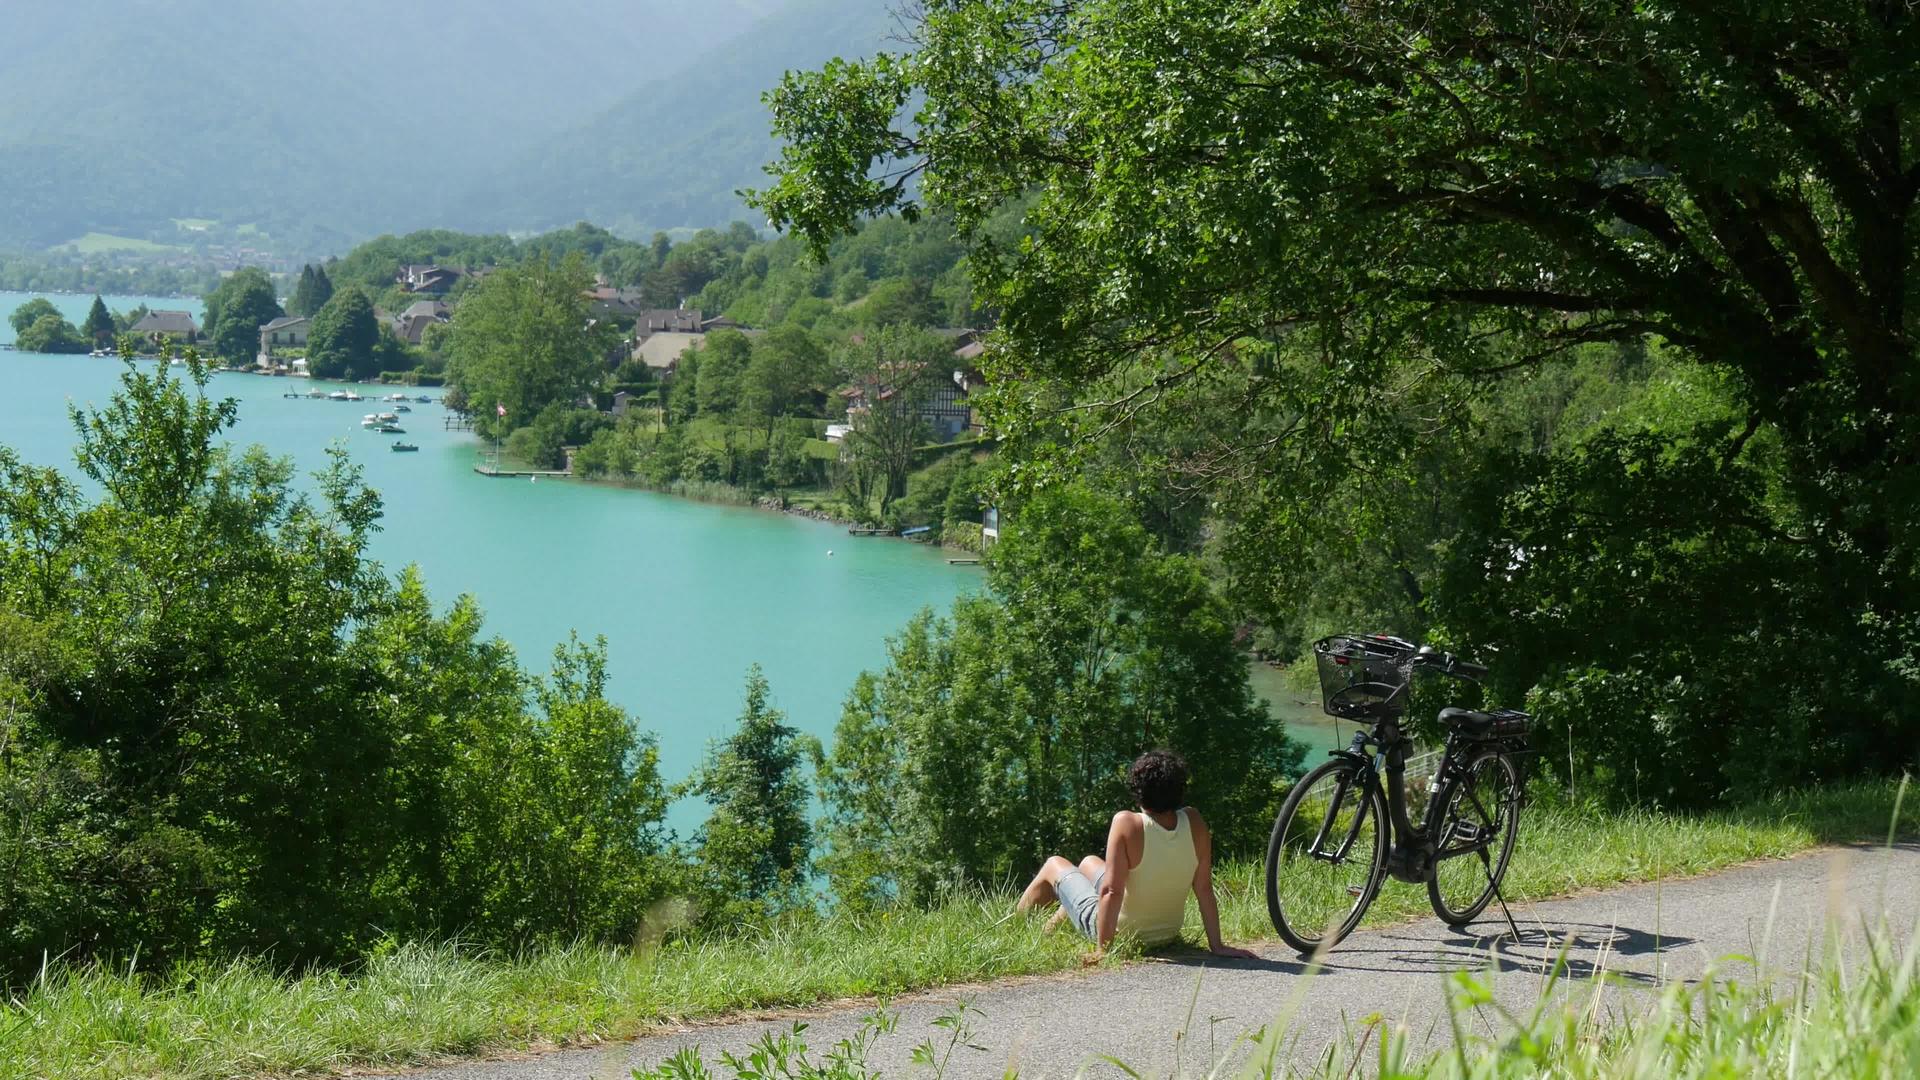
x=1480 y=816
x=1327 y=855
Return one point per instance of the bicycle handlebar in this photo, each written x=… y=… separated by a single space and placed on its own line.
x=1449 y=664
x=1458 y=666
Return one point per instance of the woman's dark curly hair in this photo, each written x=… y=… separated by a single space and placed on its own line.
x=1158 y=780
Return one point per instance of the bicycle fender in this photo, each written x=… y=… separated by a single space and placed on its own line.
x=1363 y=761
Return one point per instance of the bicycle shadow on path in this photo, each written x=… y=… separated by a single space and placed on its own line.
x=1576 y=951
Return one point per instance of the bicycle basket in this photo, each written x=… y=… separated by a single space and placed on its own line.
x=1363 y=677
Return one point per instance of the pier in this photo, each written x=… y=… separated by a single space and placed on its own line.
x=864 y=531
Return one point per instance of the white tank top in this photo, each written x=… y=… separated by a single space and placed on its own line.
x=1155 y=905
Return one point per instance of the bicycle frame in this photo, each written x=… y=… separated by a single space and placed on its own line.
x=1410 y=850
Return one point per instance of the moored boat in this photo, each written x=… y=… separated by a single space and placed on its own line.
x=402 y=447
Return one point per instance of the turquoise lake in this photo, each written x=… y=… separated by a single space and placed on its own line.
x=687 y=594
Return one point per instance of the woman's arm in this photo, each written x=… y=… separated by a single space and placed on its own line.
x=1113 y=886
x=1203 y=890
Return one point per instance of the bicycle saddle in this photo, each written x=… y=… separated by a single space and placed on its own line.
x=1502 y=724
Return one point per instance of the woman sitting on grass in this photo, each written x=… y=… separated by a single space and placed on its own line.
x=1153 y=858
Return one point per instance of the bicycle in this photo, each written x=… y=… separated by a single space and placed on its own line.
x=1341 y=831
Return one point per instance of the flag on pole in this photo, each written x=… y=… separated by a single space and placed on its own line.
x=501 y=410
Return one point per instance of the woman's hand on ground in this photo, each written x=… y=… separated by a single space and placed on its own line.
x=1232 y=952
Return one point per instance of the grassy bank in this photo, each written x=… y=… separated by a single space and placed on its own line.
x=419 y=1002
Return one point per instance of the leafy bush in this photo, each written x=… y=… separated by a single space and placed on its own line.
x=223 y=731
x=1000 y=734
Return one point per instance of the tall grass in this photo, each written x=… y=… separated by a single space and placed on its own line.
x=417 y=1003
x=1842 y=1019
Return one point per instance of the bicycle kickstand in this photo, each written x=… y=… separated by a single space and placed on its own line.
x=1487 y=868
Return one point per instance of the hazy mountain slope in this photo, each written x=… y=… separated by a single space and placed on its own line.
x=315 y=115
x=673 y=153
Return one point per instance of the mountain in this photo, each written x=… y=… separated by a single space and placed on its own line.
x=673 y=153
x=312 y=122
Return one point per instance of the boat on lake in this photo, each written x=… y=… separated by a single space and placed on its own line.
x=340 y=395
x=403 y=408
x=351 y=396
x=402 y=447
x=391 y=429
x=424 y=399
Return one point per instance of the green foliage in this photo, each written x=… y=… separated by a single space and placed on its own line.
x=1290 y=330
x=311 y=293
x=943 y=491
x=541 y=443
x=225 y=732
x=893 y=368
x=52 y=334
x=754 y=851
x=31 y=312
x=1000 y=734
x=722 y=365
x=243 y=303
x=125 y=321
x=99 y=326
x=522 y=339
x=343 y=336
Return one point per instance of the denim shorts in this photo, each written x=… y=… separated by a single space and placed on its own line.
x=1080 y=899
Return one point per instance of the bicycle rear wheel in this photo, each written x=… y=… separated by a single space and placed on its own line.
x=1326 y=856
x=1480 y=816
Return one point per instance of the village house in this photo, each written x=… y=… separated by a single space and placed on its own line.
x=617 y=304
x=177 y=326
x=660 y=335
x=946 y=407
x=285 y=330
x=432 y=280
x=411 y=325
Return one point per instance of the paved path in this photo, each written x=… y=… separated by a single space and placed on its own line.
x=1057 y=1026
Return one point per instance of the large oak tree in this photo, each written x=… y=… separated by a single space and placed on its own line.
x=1353 y=218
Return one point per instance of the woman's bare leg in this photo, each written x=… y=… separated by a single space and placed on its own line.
x=1040 y=891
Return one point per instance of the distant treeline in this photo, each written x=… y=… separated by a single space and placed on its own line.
x=71 y=273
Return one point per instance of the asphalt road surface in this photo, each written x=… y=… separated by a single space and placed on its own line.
x=1181 y=1013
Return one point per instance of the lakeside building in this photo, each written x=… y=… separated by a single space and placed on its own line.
x=411 y=325
x=176 y=326
x=947 y=404
x=286 y=330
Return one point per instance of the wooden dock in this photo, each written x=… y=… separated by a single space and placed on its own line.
x=488 y=470
x=860 y=531
x=963 y=562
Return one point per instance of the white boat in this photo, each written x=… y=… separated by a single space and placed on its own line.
x=396 y=397
x=403 y=408
x=353 y=396
x=340 y=395
x=317 y=393
x=370 y=419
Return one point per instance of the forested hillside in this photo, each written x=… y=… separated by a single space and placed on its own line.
x=674 y=152
x=317 y=121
